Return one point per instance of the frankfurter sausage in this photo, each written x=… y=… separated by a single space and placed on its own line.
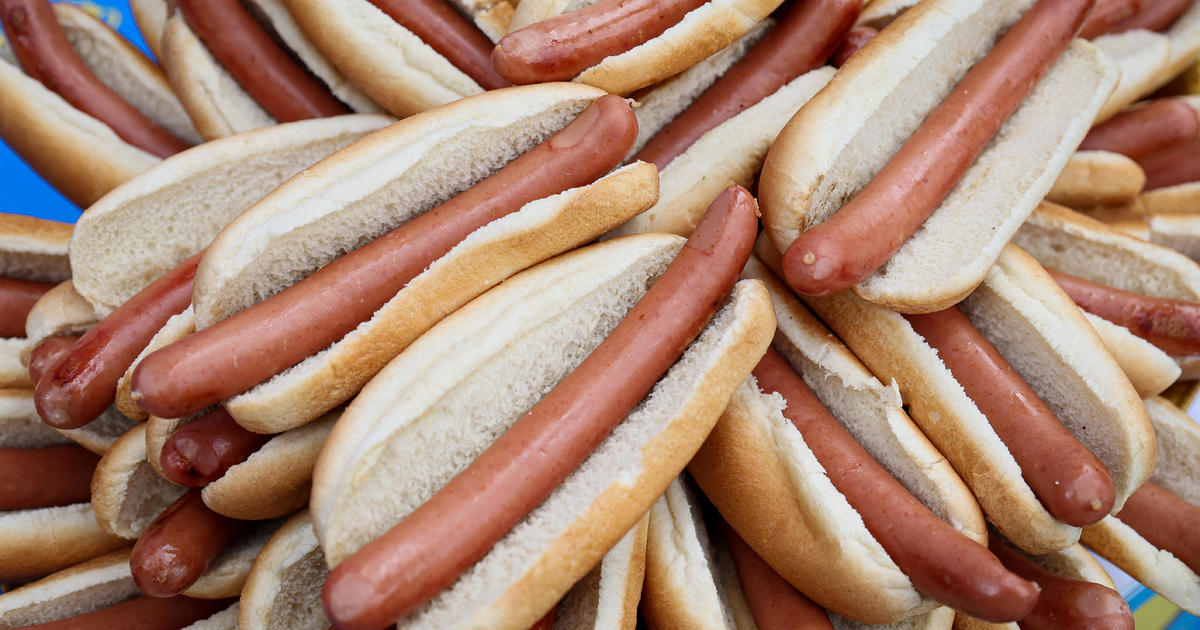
x=560 y=48
x=1171 y=325
x=260 y=65
x=855 y=39
x=179 y=545
x=775 y=603
x=16 y=299
x=1176 y=164
x=1107 y=15
x=84 y=382
x=47 y=353
x=201 y=451
x=42 y=48
x=143 y=613
x=1166 y=521
x=1065 y=603
x=864 y=233
x=248 y=348
x=1066 y=477
x=1153 y=15
x=447 y=32
x=942 y=563
x=1142 y=131
x=32 y=478
x=802 y=40
x=406 y=566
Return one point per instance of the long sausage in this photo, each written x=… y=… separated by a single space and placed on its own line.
x=84 y=382
x=774 y=602
x=803 y=40
x=32 y=478
x=448 y=33
x=201 y=451
x=1174 y=165
x=1140 y=132
x=411 y=562
x=1153 y=15
x=46 y=55
x=855 y=39
x=230 y=357
x=143 y=613
x=560 y=48
x=260 y=65
x=179 y=545
x=17 y=298
x=1165 y=521
x=865 y=232
x=1173 y=326
x=1068 y=479
x=47 y=353
x=1065 y=603
x=1107 y=15
x=942 y=563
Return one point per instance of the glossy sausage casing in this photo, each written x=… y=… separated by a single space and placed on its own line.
x=47 y=353
x=1176 y=164
x=200 y=452
x=1165 y=521
x=179 y=545
x=17 y=297
x=448 y=33
x=1139 y=132
x=855 y=39
x=411 y=562
x=1107 y=15
x=32 y=478
x=774 y=602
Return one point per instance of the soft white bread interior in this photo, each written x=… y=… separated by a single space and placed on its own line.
x=177 y=327
x=607 y=597
x=1141 y=56
x=1185 y=46
x=880 y=13
x=449 y=395
x=1178 y=449
x=224 y=620
x=760 y=474
x=80 y=589
x=17 y=406
x=282 y=590
x=844 y=135
x=530 y=11
x=126 y=492
x=34 y=249
x=1094 y=178
x=1149 y=369
x=60 y=311
x=1178 y=199
x=118 y=246
x=491 y=16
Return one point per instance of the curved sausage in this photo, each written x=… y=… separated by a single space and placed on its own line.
x=854 y=40
x=45 y=54
x=1165 y=521
x=1173 y=326
x=47 y=353
x=230 y=357
x=1065 y=603
x=448 y=33
x=84 y=382
x=179 y=545
x=865 y=232
x=1140 y=132
x=774 y=602
x=201 y=451
x=1107 y=15
x=259 y=64
x=1153 y=15
x=410 y=563
x=1066 y=477
x=1176 y=164
x=17 y=297
x=560 y=48
x=143 y=613
x=803 y=40
x=32 y=478
x=942 y=563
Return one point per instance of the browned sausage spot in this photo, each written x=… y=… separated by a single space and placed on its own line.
x=774 y=602
x=1140 y=132
x=179 y=545
x=1176 y=164
x=448 y=33
x=143 y=613
x=47 y=353
x=201 y=451
x=1165 y=521
x=17 y=297
x=32 y=478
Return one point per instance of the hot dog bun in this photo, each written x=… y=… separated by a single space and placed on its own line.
x=30 y=250
x=1150 y=60
x=834 y=145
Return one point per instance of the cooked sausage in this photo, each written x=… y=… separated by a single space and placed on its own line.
x=200 y=452
x=1176 y=164
x=942 y=563
x=1165 y=521
x=45 y=54
x=1065 y=603
x=1107 y=15
x=774 y=602
x=84 y=382
x=854 y=40
x=32 y=478
x=864 y=233
x=803 y=40
x=448 y=33
x=143 y=613
x=1142 y=131
x=17 y=297
x=411 y=562
x=1068 y=479
x=1173 y=326
x=179 y=545
x=1153 y=15
x=47 y=353
x=284 y=88
x=230 y=357
x=560 y=48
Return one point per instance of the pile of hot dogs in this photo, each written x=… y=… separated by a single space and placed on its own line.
x=447 y=371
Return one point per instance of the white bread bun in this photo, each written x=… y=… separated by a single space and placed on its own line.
x=1141 y=55
x=34 y=249
x=60 y=311
x=1094 y=178
x=845 y=134
x=82 y=588
x=1045 y=338
x=177 y=327
x=880 y=13
x=389 y=453
x=225 y=620
x=151 y=18
x=607 y=597
x=491 y=16
x=282 y=590
x=17 y=406
x=1150 y=370
x=13 y=373
x=126 y=492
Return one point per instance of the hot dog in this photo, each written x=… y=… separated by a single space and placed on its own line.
x=775 y=603
x=1144 y=130
x=16 y=298
x=1165 y=521
x=855 y=39
x=143 y=613
x=201 y=451
x=45 y=477
x=1106 y=15
x=801 y=186
x=179 y=546
x=1172 y=165
x=1153 y=16
x=47 y=353
x=440 y=26
x=32 y=259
